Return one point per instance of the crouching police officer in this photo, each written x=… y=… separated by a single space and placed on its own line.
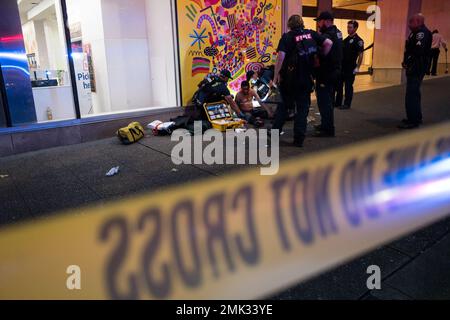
x=417 y=51
x=214 y=88
x=353 y=58
x=328 y=74
x=297 y=52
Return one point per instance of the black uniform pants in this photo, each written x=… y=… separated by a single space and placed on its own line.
x=414 y=99
x=252 y=116
x=298 y=100
x=347 y=80
x=434 y=59
x=326 y=108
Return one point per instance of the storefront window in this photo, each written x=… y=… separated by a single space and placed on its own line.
x=123 y=53
x=46 y=52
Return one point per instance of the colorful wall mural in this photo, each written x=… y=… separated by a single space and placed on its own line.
x=238 y=35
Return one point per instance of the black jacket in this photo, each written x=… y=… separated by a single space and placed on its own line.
x=417 y=51
x=301 y=47
x=331 y=65
x=353 y=47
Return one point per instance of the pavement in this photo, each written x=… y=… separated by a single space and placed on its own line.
x=45 y=183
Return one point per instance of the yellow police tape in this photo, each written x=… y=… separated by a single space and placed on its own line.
x=243 y=236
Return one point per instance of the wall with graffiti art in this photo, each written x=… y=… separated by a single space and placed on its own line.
x=238 y=35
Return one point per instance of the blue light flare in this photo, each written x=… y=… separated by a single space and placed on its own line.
x=17 y=68
x=427 y=185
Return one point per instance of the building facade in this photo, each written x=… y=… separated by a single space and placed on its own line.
x=72 y=62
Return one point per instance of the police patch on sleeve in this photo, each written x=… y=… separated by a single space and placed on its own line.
x=339 y=35
x=420 y=36
x=361 y=43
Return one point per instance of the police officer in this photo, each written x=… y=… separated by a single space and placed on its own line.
x=293 y=73
x=215 y=88
x=328 y=74
x=417 y=51
x=353 y=49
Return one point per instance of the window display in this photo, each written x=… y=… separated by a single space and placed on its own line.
x=123 y=54
x=122 y=57
x=43 y=35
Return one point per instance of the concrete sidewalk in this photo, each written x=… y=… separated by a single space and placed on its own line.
x=44 y=183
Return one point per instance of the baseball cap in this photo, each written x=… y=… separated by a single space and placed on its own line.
x=325 y=15
x=226 y=73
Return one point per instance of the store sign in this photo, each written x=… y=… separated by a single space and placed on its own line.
x=83 y=79
x=84 y=69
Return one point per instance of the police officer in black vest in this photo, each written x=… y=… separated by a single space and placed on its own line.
x=297 y=52
x=328 y=75
x=417 y=52
x=353 y=58
x=214 y=88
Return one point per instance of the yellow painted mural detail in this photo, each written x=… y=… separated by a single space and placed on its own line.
x=238 y=35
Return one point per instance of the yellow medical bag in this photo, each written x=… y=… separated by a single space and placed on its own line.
x=221 y=117
x=131 y=134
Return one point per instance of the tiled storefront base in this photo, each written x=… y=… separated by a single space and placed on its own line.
x=20 y=140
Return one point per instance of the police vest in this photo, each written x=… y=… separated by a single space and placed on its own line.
x=301 y=61
x=306 y=46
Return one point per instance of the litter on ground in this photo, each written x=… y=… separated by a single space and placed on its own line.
x=113 y=172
